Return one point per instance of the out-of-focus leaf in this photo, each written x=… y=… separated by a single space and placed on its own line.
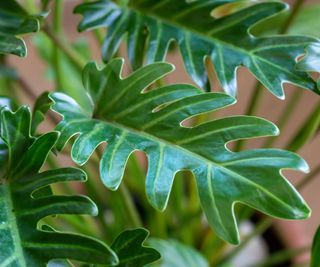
x=176 y=254
x=72 y=76
x=24 y=242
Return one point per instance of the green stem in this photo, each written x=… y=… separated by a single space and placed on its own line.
x=254 y=103
x=57 y=28
x=308 y=178
x=260 y=228
x=294 y=12
x=66 y=48
x=130 y=206
x=306 y=131
x=284 y=118
x=281 y=256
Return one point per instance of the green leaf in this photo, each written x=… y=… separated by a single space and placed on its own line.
x=226 y=41
x=14 y=20
x=40 y=108
x=70 y=82
x=315 y=259
x=311 y=62
x=176 y=254
x=130 y=250
x=129 y=118
x=302 y=23
x=24 y=240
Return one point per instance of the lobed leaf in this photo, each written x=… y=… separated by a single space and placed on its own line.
x=14 y=20
x=24 y=240
x=130 y=250
x=151 y=25
x=129 y=117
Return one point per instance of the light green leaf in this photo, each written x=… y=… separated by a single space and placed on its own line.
x=24 y=240
x=130 y=250
x=152 y=25
x=302 y=23
x=176 y=254
x=14 y=20
x=129 y=118
x=315 y=257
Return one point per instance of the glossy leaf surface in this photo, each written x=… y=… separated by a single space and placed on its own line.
x=131 y=251
x=129 y=118
x=14 y=20
x=225 y=40
x=176 y=254
x=315 y=257
x=25 y=240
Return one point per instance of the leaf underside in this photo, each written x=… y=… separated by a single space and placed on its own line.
x=151 y=25
x=14 y=20
x=129 y=118
x=25 y=240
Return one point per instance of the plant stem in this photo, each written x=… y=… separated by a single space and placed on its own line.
x=308 y=178
x=280 y=257
x=306 y=131
x=131 y=208
x=75 y=57
x=284 y=118
x=260 y=228
x=253 y=106
x=294 y=12
x=57 y=27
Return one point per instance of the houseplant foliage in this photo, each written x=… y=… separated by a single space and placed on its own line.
x=25 y=200
x=129 y=122
x=225 y=40
x=108 y=115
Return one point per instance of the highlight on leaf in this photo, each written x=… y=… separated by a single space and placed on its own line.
x=14 y=20
x=127 y=116
x=25 y=239
x=151 y=25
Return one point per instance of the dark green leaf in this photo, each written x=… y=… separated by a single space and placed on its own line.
x=175 y=254
x=129 y=119
x=14 y=20
x=24 y=241
x=130 y=250
x=40 y=109
x=153 y=24
x=315 y=257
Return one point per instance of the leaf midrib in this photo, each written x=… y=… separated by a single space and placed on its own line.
x=201 y=158
x=13 y=225
x=210 y=39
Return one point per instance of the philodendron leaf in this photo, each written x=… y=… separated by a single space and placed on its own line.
x=24 y=240
x=176 y=254
x=14 y=20
x=130 y=250
x=226 y=41
x=129 y=118
x=311 y=62
x=315 y=253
